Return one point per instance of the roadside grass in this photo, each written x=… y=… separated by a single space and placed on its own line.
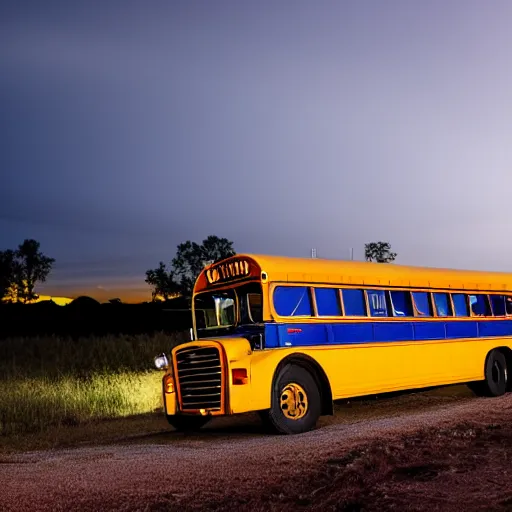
x=30 y=404
x=52 y=382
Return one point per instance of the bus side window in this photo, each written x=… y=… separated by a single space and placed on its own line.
x=401 y=303
x=443 y=306
x=292 y=301
x=422 y=304
x=460 y=304
x=354 y=303
x=498 y=304
x=508 y=305
x=480 y=305
x=327 y=302
x=377 y=302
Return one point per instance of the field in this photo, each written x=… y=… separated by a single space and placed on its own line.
x=50 y=382
x=81 y=428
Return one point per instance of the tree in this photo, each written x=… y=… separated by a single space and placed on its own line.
x=6 y=272
x=216 y=249
x=190 y=260
x=163 y=282
x=379 y=252
x=30 y=266
x=188 y=263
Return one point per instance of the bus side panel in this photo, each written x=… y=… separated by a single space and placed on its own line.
x=377 y=368
x=398 y=366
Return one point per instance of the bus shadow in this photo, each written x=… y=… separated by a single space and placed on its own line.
x=346 y=411
x=435 y=392
x=395 y=403
x=240 y=426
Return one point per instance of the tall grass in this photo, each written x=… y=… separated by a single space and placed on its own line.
x=54 y=356
x=55 y=381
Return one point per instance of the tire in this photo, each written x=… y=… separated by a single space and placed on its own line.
x=187 y=423
x=295 y=402
x=496 y=381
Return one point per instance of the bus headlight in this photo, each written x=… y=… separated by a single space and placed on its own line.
x=161 y=362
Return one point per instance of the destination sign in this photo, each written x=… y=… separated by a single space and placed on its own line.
x=225 y=272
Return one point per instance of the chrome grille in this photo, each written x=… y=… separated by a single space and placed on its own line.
x=199 y=378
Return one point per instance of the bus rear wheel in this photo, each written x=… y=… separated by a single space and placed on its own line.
x=295 y=402
x=496 y=376
x=187 y=423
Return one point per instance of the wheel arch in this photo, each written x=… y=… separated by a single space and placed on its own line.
x=318 y=373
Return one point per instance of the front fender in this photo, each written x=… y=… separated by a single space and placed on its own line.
x=263 y=368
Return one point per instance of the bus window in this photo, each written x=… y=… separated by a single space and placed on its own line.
x=443 y=306
x=254 y=307
x=422 y=303
x=401 y=302
x=327 y=302
x=479 y=305
x=508 y=305
x=377 y=302
x=498 y=304
x=218 y=309
x=250 y=303
x=201 y=319
x=354 y=303
x=292 y=301
x=460 y=304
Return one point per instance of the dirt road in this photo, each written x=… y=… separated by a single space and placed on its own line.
x=233 y=466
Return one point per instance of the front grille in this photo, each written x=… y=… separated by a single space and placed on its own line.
x=199 y=378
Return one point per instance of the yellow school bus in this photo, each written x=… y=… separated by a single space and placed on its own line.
x=288 y=336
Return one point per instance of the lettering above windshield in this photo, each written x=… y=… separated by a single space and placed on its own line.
x=225 y=272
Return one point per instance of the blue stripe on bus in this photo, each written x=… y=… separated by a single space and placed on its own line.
x=278 y=335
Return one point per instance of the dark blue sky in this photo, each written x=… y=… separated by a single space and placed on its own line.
x=130 y=127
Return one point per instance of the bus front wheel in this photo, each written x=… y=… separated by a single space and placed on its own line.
x=496 y=376
x=187 y=423
x=295 y=402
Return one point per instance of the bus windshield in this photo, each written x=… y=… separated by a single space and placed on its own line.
x=229 y=308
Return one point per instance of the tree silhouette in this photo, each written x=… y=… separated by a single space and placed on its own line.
x=30 y=266
x=187 y=264
x=83 y=302
x=163 y=283
x=190 y=260
x=379 y=252
x=216 y=249
x=6 y=272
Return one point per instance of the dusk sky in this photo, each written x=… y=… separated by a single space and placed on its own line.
x=128 y=127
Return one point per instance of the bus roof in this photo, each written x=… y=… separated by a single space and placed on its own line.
x=317 y=270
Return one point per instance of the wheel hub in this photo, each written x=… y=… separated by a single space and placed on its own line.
x=294 y=401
